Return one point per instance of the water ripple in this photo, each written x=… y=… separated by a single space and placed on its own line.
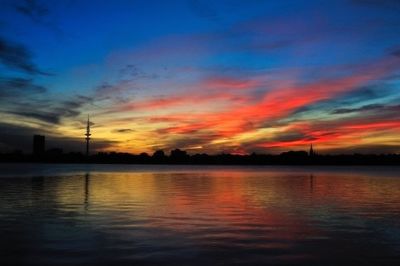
x=213 y=216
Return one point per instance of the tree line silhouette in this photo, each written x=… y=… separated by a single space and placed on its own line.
x=178 y=156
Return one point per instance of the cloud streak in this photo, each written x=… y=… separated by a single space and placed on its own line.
x=17 y=57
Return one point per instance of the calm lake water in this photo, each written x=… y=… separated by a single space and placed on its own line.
x=198 y=215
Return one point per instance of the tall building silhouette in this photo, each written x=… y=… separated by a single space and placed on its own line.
x=38 y=144
x=87 y=136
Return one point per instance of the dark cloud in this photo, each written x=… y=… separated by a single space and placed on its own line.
x=19 y=87
x=290 y=136
x=124 y=130
x=377 y=91
x=42 y=116
x=112 y=92
x=38 y=13
x=303 y=109
x=368 y=92
x=132 y=72
x=46 y=111
x=71 y=107
x=76 y=101
x=368 y=107
x=103 y=89
x=192 y=143
x=118 y=92
x=380 y=111
x=32 y=9
x=16 y=56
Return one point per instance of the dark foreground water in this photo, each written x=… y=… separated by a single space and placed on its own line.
x=183 y=215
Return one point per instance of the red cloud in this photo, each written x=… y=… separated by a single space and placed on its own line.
x=181 y=100
x=344 y=131
x=246 y=113
x=275 y=104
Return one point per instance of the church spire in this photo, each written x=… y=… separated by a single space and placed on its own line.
x=312 y=152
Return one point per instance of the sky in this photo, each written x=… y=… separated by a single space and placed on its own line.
x=230 y=76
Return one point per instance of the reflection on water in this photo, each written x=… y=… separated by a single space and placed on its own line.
x=212 y=216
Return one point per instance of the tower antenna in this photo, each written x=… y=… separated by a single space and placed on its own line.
x=87 y=136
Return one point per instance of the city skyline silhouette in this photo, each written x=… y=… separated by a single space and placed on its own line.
x=178 y=156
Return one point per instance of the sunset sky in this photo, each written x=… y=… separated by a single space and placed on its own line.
x=236 y=76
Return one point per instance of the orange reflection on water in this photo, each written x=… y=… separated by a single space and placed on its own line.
x=227 y=195
x=278 y=214
x=215 y=207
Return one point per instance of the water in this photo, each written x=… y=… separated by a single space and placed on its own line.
x=187 y=215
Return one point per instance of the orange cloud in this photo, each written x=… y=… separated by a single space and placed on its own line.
x=275 y=104
x=242 y=112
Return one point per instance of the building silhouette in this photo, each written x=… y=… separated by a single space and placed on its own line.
x=87 y=134
x=38 y=145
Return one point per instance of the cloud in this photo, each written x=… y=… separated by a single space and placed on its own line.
x=134 y=72
x=185 y=100
x=124 y=130
x=42 y=116
x=209 y=89
x=233 y=109
x=195 y=143
x=16 y=56
x=19 y=87
x=32 y=9
x=45 y=109
x=117 y=92
x=131 y=78
x=375 y=129
x=71 y=107
x=289 y=136
x=278 y=103
x=368 y=107
x=235 y=104
x=38 y=13
x=22 y=97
